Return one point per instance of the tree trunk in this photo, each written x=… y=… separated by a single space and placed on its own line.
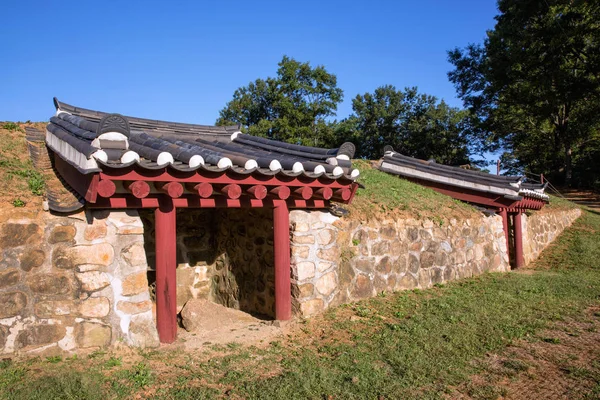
x=568 y=167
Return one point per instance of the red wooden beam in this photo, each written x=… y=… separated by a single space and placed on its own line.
x=139 y=189
x=324 y=193
x=166 y=279
x=106 y=188
x=258 y=191
x=281 y=192
x=232 y=191
x=281 y=248
x=173 y=189
x=519 y=262
x=342 y=194
x=204 y=189
x=303 y=192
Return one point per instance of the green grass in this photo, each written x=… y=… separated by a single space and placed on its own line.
x=385 y=193
x=417 y=344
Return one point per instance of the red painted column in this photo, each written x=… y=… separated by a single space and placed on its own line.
x=281 y=247
x=166 y=279
x=518 y=241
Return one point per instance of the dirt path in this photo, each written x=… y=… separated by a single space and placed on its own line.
x=558 y=363
x=585 y=198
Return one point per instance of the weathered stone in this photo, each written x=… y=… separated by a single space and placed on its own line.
x=312 y=307
x=384 y=266
x=326 y=284
x=305 y=270
x=416 y=246
x=49 y=284
x=388 y=232
x=3 y=336
x=93 y=280
x=62 y=233
x=441 y=259
x=9 y=277
x=400 y=264
x=39 y=335
x=330 y=254
x=129 y=307
x=49 y=309
x=96 y=230
x=360 y=236
x=437 y=275
x=345 y=273
x=31 y=258
x=142 y=331
x=363 y=287
x=380 y=248
x=135 y=283
x=446 y=246
x=323 y=266
x=185 y=282
x=425 y=235
x=413 y=263
x=365 y=264
x=306 y=290
x=94 y=307
x=488 y=249
x=12 y=304
x=14 y=235
x=300 y=251
x=407 y=282
x=302 y=227
x=303 y=239
x=412 y=234
x=479 y=253
x=70 y=257
x=126 y=222
x=427 y=259
x=470 y=255
x=496 y=261
x=424 y=278
x=398 y=247
x=325 y=237
x=90 y=334
x=448 y=274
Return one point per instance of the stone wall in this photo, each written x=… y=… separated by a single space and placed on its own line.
x=541 y=228
x=73 y=282
x=335 y=261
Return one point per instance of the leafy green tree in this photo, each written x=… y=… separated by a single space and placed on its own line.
x=413 y=124
x=292 y=107
x=533 y=86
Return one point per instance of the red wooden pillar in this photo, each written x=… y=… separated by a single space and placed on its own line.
x=166 y=278
x=504 y=216
x=518 y=241
x=281 y=247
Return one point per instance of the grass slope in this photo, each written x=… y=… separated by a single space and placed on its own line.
x=418 y=344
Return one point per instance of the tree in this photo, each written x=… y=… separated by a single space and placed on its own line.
x=533 y=86
x=413 y=124
x=292 y=107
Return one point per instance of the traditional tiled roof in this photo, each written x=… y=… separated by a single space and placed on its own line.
x=92 y=140
x=509 y=187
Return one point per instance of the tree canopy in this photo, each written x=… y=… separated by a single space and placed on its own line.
x=292 y=107
x=533 y=87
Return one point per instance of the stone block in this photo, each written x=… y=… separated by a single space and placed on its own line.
x=14 y=235
x=135 y=255
x=305 y=270
x=91 y=334
x=323 y=266
x=407 y=282
x=58 y=308
x=330 y=254
x=71 y=257
x=62 y=233
x=97 y=230
x=126 y=222
x=363 y=287
x=345 y=273
x=303 y=239
x=306 y=290
x=302 y=227
x=312 y=307
x=135 y=283
x=384 y=266
x=326 y=237
x=3 y=336
x=31 y=258
x=326 y=284
x=129 y=307
x=9 y=277
x=425 y=234
x=413 y=263
x=94 y=307
x=142 y=331
x=427 y=259
x=12 y=304
x=412 y=234
x=49 y=284
x=380 y=248
x=39 y=335
x=300 y=251
x=93 y=280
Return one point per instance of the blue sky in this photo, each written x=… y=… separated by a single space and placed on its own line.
x=182 y=60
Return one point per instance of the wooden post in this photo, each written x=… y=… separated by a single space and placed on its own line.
x=281 y=247
x=166 y=279
x=518 y=241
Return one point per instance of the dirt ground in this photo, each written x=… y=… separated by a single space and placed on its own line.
x=562 y=362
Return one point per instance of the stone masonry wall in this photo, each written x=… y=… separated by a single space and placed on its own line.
x=540 y=229
x=73 y=282
x=336 y=261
